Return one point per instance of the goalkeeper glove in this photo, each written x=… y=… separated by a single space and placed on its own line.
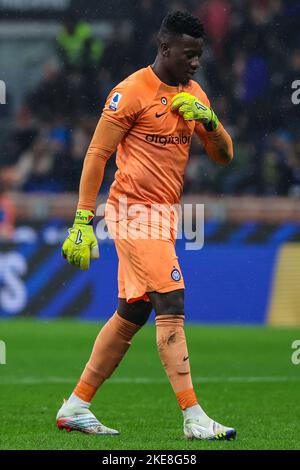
x=81 y=244
x=191 y=108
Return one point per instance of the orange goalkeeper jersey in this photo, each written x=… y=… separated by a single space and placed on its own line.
x=152 y=156
x=152 y=143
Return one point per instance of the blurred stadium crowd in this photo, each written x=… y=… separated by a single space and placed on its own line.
x=251 y=59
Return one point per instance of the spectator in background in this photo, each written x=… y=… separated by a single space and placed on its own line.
x=294 y=166
x=34 y=170
x=276 y=171
x=80 y=54
x=7 y=212
x=119 y=55
x=200 y=175
x=216 y=15
x=253 y=54
x=52 y=96
x=69 y=166
x=146 y=21
x=242 y=179
x=18 y=138
x=79 y=50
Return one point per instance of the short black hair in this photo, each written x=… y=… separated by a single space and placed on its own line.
x=181 y=22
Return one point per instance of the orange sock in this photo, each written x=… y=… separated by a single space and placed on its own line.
x=187 y=398
x=109 y=349
x=85 y=391
x=174 y=356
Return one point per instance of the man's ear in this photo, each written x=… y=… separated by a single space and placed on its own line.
x=164 y=49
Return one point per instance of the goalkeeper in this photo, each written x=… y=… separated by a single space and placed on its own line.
x=149 y=118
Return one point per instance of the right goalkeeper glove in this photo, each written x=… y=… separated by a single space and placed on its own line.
x=81 y=244
x=191 y=108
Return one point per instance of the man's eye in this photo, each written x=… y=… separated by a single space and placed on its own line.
x=192 y=56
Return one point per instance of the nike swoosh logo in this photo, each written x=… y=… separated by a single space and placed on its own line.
x=160 y=114
x=185 y=358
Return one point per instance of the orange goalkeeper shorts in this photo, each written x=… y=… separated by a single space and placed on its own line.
x=145 y=264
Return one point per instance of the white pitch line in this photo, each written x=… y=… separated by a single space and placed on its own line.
x=147 y=380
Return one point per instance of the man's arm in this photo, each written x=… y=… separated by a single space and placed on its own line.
x=121 y=110
x=218 y=144
x=81 y=244
x=105 y=140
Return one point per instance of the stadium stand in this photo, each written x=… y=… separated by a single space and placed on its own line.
x=252 y=58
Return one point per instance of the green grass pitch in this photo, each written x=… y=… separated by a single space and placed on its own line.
x=243 y=376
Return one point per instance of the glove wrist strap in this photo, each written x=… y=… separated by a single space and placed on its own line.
x=84 y=217
x=213 y=123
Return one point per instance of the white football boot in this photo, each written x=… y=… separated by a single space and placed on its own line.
x=75 y=418
x=197 y=425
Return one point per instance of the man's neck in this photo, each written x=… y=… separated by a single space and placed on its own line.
x=162 y=73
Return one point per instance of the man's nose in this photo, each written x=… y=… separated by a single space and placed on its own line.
x=195 y=64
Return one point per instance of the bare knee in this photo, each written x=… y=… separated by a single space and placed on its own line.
x=169 y=303
x=136 y=312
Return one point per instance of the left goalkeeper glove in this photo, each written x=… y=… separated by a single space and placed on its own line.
x=191 y=108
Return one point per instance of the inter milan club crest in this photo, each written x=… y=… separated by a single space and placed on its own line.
x=175 y=275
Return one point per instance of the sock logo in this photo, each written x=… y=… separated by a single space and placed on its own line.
x=175 y=275
x=185 y=358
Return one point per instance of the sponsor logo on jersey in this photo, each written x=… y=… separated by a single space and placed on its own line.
x=168 y=139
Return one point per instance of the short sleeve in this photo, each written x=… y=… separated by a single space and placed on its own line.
x=123 y=105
